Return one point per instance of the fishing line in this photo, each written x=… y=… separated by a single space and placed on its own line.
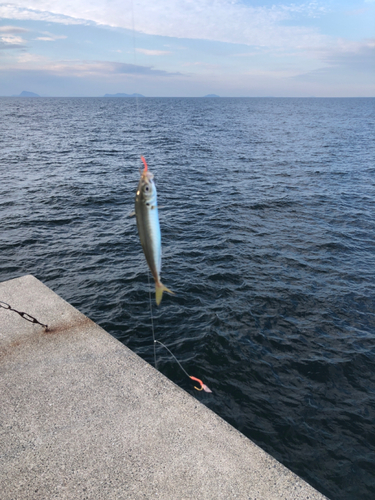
x=152 y=318
x=139 y=129
x=135 y=65
x=173 y=356
x=203 y=387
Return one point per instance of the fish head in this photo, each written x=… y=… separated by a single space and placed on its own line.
x=146 y=188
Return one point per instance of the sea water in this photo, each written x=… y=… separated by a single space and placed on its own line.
x=267 y=213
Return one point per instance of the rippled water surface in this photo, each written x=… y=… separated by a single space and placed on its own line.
x=268 y=241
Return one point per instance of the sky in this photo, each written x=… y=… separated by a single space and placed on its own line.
x=188 y=48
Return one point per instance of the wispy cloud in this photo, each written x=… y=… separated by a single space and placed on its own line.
x=247 y=54
x=30 y=11
x=217 y=20
x=5 y=45
x=344 y=52
x=10 y=39
x=148 y=52
x=359 y=57
x=352 y=61
x=50 y=37
x=231 y=47
x=205 y=65
x=12 y=29
x=30 y=62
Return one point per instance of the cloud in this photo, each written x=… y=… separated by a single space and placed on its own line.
x=345 y=53
x=261 y=41
x=45 y=38
x=6 y=45
x=350 y=60
x=217 y=20
x=12 y=29
x=16 y=10
x=199 y=64
x=9 y=39
x=153 y=52
x=107 y=69
x=358 y=57
x=247 y=54
x=50 y=37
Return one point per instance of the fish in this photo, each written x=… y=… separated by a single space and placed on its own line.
x=146 y=212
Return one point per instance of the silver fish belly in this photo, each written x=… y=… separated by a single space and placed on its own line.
x=146 y=211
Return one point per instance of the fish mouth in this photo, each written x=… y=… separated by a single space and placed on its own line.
x=147 y=177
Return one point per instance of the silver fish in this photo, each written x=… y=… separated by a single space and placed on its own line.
x=146 y=211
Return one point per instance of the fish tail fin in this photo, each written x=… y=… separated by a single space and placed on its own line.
x=159 y=289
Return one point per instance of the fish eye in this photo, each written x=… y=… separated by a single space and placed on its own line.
x=147 y=188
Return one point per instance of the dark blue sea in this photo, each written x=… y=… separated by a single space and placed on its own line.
x=268 y=225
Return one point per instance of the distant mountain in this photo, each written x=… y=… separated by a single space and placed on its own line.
x=211 y=95
x=26 y=93
x=123 y=95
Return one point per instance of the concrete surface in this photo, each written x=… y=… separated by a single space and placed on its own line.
x=83 y=417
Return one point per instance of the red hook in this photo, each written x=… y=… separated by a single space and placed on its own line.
x=203 y=386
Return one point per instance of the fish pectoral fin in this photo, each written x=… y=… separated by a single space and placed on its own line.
x=131 y=214
x=159 y=289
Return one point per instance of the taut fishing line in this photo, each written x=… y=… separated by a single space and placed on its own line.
x=135 y=64
x=152 y=317
x=202 y=387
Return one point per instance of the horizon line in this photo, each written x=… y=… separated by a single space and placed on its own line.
x=186 y=97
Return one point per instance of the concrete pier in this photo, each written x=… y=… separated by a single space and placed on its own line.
x=83 y=417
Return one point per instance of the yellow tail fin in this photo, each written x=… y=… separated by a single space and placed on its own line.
x=159 y=289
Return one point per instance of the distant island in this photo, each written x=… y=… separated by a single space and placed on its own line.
x=211 y=95
x=123 y=95
x=26 y=93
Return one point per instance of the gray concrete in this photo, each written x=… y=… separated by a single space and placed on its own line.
x=82 y=417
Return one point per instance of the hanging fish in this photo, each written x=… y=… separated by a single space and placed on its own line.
x=146 y=211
